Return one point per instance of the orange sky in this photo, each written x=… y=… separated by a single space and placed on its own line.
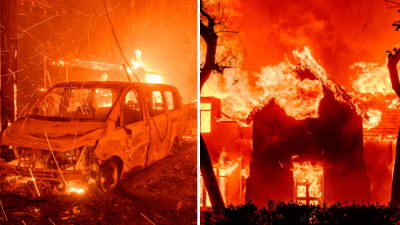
x=270 y=29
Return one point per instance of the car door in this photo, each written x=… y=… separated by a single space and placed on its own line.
x=137 y=130
x=176 y=115
x=159 y=125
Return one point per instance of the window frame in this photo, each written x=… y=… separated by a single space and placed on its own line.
x=177 y=100
x=163 y=99
x=208 y=110
x=121 y=114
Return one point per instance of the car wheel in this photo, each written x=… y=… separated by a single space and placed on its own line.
x=109 y=174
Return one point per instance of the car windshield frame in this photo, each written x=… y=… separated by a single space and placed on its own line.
x=72 y=87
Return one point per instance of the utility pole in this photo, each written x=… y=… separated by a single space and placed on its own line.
x=9 y=54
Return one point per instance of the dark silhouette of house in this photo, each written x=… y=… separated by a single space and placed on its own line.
x=334 y=141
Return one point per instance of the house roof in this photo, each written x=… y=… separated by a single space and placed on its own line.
x=327 y=82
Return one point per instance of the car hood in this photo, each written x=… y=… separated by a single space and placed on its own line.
x=62 y=136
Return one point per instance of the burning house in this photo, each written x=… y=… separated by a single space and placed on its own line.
x=305 y=142
x=331 y=143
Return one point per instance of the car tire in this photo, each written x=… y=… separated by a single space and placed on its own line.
x=109 y=174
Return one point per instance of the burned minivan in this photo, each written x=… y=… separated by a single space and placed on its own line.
x=94 y=130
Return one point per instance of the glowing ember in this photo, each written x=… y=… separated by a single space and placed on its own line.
x=80 y=191
x=308 y=182
x=374 y=120
x=15 y=102
x=104 y=77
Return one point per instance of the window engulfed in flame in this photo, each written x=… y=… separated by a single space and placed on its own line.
x=308 y=183
x=222 y=178
x=205 y=117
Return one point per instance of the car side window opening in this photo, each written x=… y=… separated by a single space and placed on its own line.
x=77 y=103
x=172 y=100
x=155 y=103
x=131 y=109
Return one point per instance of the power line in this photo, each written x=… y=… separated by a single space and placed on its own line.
x=118 y=45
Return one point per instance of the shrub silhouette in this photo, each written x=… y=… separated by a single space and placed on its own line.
x=280 y=212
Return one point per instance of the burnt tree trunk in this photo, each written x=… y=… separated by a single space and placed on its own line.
x=9 y=53
x=206 y=169
x=394 y=77
x=395 y=196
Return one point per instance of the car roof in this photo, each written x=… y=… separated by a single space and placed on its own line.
x=112 y=84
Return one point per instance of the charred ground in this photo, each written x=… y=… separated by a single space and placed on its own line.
x=176 y=181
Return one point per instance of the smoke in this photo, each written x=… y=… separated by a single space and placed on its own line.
x=338 y=33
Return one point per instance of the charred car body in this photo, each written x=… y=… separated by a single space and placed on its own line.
x=94 y=130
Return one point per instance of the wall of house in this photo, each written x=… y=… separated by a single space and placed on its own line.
x=236 y=142
x=334 y=140
x=379 y=157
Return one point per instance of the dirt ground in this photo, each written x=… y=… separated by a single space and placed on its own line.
x=176 y=180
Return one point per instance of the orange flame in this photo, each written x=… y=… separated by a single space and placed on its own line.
x=374 y=120
x=395 y=104
x=227 y=164
x=138 y=63
x=372 y=78
x=299 y=98
x=245 y=172
x=231 y=168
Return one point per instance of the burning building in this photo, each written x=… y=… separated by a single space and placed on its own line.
x=230 y=148
x=306 y=140
x=333 y=142
x=380 y=141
